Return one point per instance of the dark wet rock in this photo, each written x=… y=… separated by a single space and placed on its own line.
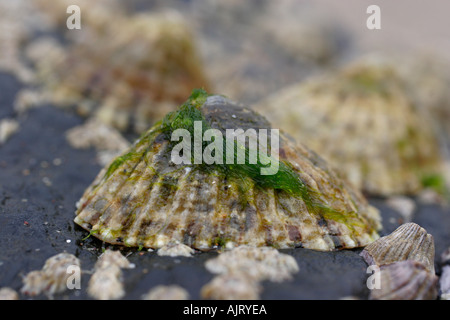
x=436 y=220
x=391 y=219
x=323 y=275
x=9 y=87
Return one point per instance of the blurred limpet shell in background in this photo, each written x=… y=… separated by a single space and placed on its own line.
x=428 y=80
x=19 y=21
x=126 y=70
x=144 y=199
x=364 y=122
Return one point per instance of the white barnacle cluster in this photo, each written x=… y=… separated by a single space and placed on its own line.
x=106 y=282
x=240 y=271
x=52 y=278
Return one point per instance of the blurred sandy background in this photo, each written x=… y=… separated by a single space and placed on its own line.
x=417 y=25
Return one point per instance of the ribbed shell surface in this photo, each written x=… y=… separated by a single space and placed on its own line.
x=149 y=201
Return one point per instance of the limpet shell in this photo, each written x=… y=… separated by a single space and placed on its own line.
x=408 y=242
x=7 y=128
x=428 y=79
x=152 y=64
x=144 y=199
x=365 y=123
x=405 y=280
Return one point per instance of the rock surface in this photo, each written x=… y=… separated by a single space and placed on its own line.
x=37 y=221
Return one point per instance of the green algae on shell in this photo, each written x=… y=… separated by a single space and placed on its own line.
x=144 y=199
x=364 y=122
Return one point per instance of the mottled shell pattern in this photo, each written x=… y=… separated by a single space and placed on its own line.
x=363 y=122
x=144 y=199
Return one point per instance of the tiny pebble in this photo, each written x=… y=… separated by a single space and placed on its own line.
x=46 y=181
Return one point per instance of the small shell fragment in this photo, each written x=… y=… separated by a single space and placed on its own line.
x=263 y=263
x=231 y=287
x=407 y=242
x=53 y=277
x=7 y=128
x=8 y=294
x=405 y=280
x=111 y=257
x=172 y=292
x=176 y=250
x=152 y=64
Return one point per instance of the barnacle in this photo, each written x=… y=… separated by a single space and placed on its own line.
x=405 y=280
x=143 y=198
x=408 y=242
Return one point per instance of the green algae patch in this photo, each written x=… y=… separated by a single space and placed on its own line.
x=118 y=162
x=435 y=182
x=190 y=112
